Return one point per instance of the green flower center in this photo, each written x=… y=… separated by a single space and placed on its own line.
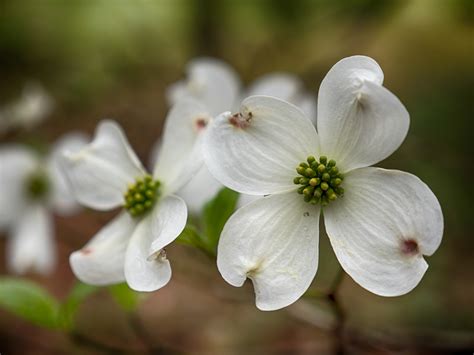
x=141 y=196
x=37 y=185
x=320 y=180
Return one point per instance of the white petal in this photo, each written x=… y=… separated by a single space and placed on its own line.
x=381 y=228
x=180 y=155
x=100 y=172
x=102 y=260
x=166 y=222
x=256 y=151
x=146 y=266
x=202 y=188
x=31 y=246
x=359 y=121
x=142 y=272
x=210 y=81
x=16 y=165
x=62 y=197
x=274 y=242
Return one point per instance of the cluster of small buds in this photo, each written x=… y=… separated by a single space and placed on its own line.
x=141 y=196
x=37 y=185
x=320 y=180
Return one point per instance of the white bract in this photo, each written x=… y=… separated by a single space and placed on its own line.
x=107 y=174
x=217 y=86
x=31 y=188
x=380 y=222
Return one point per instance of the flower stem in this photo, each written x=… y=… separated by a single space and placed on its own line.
x=339 y=312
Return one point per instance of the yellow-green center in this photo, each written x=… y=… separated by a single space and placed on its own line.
x=320 y=180
x=141 y=196
x=37 y=185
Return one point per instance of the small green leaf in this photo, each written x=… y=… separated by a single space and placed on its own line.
x=124 y=296
x=215 y=215
x=29 y=301
x=190 y=236
x=77 y=295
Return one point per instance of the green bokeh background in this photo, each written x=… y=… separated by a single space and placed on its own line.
x=115 y=58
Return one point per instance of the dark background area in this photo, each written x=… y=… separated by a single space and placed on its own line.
x=115 y=59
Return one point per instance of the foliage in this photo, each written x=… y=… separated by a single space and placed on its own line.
x=124 y=296
x=78 y=293
x=29 y=301
x=215 y=214
x=34 y=304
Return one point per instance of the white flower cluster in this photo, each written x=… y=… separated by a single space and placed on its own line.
x=270 y=147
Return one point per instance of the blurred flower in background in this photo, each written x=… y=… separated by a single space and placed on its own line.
x=26 y=112
x=217 y=86
x=32 y=188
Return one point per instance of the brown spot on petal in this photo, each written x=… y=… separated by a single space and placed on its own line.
x=200 y=123
x=410 y=247
x=86 y=251
x=238 y=120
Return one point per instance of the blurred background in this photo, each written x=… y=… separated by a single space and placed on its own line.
x=114 y=59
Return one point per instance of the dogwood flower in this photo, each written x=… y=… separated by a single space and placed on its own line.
x=107 y=174
x=217 y=86
x=31 y=108
x=380 y=222
x=31 y=189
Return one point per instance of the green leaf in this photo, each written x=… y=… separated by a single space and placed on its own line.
x=124 y=296
x=190 y=236
x=77 y=295
x=215 y=215
x=29 y=301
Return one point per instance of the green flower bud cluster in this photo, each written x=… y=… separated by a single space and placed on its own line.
x=141 y=196
x=320 y=180
x=37 y=185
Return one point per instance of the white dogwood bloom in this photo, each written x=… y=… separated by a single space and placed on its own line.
x=380 y=222
x=217 y=86
x=106 y=174
x=31 y=189
x=31 y=108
